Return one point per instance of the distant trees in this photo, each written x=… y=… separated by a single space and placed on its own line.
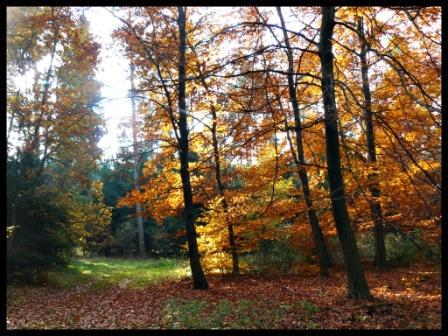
x=121 y=238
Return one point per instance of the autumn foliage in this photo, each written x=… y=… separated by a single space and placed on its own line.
x=254 y=123
x=294 y=139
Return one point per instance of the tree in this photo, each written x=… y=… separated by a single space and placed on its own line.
x=138 y=206
x=199 y=281
x=324 y=258
x=398 y=115
x=217 y=161
x=53 y=200
x=242 y=120
x=380 y=248
x=41 y=237
x=357 y=284
x=152 y=59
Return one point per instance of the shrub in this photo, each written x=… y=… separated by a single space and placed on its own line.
x=41 y=241
x=366 y=246
x=306 y=307
x=273 y=256
x=400 y=250
x=125 y=239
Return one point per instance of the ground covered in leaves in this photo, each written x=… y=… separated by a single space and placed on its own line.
x=405 y=298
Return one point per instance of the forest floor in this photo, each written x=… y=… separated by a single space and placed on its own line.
x=404 y=298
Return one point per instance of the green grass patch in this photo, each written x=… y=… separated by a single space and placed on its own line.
x=105 y=272
x=241 y=314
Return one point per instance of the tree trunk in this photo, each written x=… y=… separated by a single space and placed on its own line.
x=199 y=280
x=357 y=284
x=380 y=248
x=232 y=243
x=324 y=259
x=138 y=206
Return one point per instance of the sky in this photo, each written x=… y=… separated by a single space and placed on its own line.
x=114 y=74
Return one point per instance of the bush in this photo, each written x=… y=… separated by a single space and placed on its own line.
x=274 y=256
x=366 y=246
x=41 y=241
x=168 y=237
x=126 y=239
x=400 y=250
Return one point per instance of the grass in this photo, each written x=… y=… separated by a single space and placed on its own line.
x=241 y=314
x=106 y=272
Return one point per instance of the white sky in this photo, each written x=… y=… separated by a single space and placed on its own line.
x=114 y=74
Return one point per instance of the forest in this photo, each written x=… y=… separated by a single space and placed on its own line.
x=279 y=168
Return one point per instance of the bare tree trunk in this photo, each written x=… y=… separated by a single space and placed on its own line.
x=377 y=216
x=199 y=280
x=357 y=284
x=138 y=206
x=324 y=259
